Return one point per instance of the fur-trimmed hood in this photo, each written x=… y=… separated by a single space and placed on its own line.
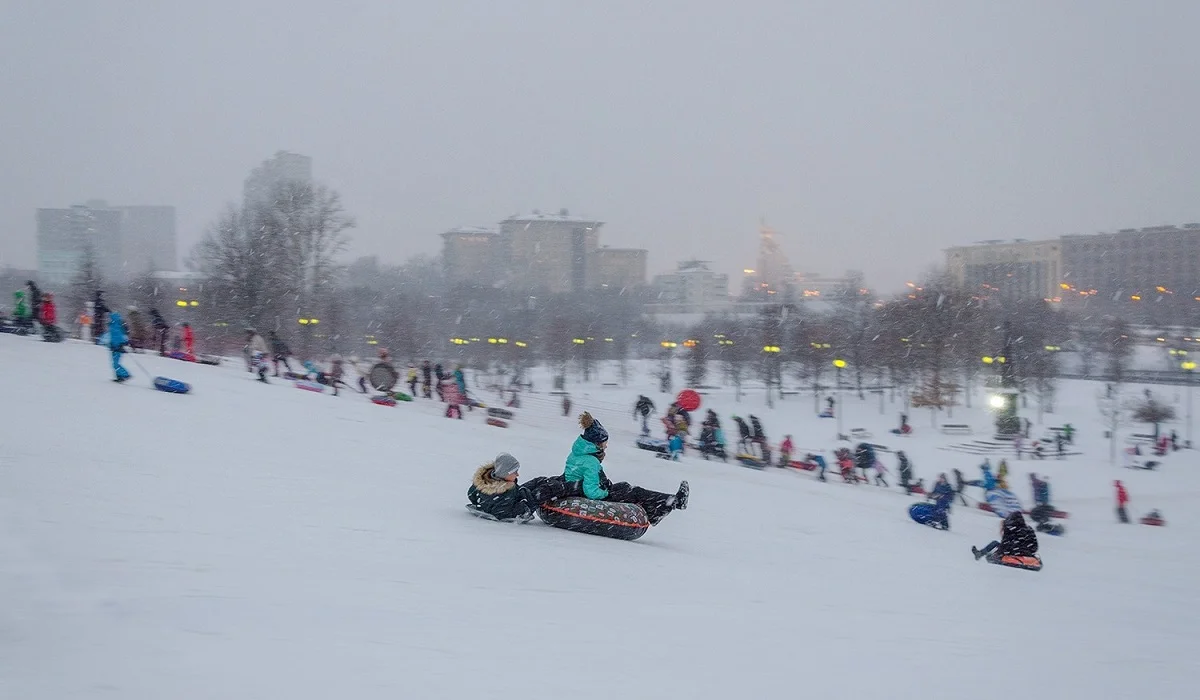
x=487 y=485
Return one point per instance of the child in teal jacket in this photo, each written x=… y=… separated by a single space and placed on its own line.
x=584 y=473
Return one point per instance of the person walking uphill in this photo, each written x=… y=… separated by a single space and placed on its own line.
x=117 y=342
x=49 y=319
x=1122 y=501
x=584 y=476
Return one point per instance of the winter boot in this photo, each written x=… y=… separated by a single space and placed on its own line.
x=681 y=496
x=976 y=552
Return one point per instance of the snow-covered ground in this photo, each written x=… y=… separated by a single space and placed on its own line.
x=251 y=541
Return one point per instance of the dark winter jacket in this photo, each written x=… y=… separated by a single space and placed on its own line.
x=906 y=469
x=742 y=427
x=279 y=349
x=1016 y=537
x=864 y=456
x=160 y=323
x=1041 y=491
x=643 y=407
x=498 y=498
x=942 y=495
x=756 y=426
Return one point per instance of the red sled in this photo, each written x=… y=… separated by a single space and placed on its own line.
x=383 y=400
x=1157 y=522
x=497 y=422
x=916 y=488
x=806 y=466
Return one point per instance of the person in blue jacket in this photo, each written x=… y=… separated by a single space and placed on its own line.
x=675 y=447
x=584 y=475
x=943 y=498
x=117 y=340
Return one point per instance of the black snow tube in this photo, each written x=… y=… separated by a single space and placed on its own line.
x=622 y=521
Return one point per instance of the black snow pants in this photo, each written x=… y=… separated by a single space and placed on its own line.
x=656 y=504
x=544 y=489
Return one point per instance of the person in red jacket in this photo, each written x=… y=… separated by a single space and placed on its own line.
x=1122 y=500
x=189 y=339
x=49 y=319
x=785 y=451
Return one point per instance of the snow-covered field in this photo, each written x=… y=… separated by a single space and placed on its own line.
x=251 y=541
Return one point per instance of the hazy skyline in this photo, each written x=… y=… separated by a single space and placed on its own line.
x=869 y=135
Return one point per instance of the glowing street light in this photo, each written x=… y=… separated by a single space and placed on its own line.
x=996 y=401
x=1189 y=366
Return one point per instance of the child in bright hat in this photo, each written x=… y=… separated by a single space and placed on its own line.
x=584 y=472
x=494 y=490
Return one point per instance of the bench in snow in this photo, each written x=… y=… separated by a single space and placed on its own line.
x=960 y=428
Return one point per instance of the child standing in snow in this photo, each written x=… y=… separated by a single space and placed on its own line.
x=675 y=447
x=1122 y=501
x=117 y=340
x=785 y=451
x=494 y=490
x=880 y=470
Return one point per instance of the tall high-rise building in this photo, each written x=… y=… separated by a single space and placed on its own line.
x=773 y=275
x=281 y=167
x=126 y=240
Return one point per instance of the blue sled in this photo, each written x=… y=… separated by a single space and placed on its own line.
x=171 y=386
x=928 y=514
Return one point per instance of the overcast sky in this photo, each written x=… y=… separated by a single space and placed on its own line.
x=871 y=135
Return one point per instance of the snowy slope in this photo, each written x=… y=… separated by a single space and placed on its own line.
x=251 y=541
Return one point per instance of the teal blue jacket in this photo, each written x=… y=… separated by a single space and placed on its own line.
x=582 y=465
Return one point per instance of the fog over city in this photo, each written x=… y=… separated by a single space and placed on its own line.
x=869 y=135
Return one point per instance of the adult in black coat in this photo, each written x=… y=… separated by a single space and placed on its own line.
x=100 y=312
x=35 y=300
x=1017 y=539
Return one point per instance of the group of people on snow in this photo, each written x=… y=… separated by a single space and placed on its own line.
x=496 y=491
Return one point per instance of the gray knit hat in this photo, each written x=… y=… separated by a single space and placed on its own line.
x=504 y=464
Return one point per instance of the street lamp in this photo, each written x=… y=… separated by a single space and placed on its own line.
x=838 y=364
x=1189 y=366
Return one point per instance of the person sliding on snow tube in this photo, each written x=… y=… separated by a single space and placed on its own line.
x=584 y=476
x=942 y=496
x=494 y=490
x=1017 y=539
